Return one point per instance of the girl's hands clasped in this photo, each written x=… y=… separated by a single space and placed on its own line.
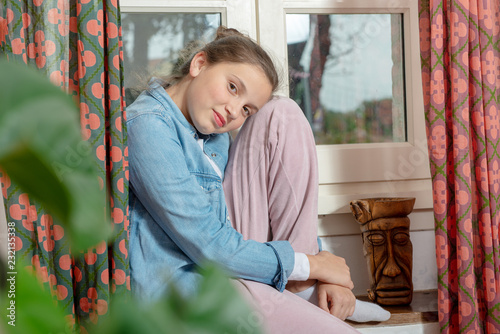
x=336 y=300
x=329 y=268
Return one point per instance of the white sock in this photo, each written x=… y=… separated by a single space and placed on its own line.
x=365 y=311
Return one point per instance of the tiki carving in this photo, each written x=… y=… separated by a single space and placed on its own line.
x=387 y=247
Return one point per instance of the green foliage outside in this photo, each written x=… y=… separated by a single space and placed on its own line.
x=369 y=123
x=42 y=152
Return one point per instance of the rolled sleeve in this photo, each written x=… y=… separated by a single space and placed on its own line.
x=286 y=261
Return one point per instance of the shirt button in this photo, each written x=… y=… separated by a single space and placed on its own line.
x=214 y=155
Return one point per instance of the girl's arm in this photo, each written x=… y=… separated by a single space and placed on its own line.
x=160 y=178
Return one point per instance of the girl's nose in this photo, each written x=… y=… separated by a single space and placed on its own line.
x=232 y=110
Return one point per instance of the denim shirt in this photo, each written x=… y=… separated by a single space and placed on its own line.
x=178 y=213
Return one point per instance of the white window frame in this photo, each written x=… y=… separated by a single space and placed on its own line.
x=239 y=14
x=353 y=171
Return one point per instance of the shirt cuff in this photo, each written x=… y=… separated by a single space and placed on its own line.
x=301 y=268
x=285 y=254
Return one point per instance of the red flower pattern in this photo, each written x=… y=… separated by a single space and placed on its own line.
x=39 y=270
x=123 y=248
x=59 y=77
x=117 y=215
x=18 y=44
x=118 y=276
x=4 y=24
x=41 y=48
x=93 y=305
x=91 y=257
x=59 y=16
x=95 y=27
x=85 y=59
x=24 y=211
x=49 y=233
x=89 y=121
x=98 y=90
x=58 y=290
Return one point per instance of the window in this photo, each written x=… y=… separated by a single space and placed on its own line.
x=368 y=168
x=346 y=72
x=152 y=42
x=370 y=134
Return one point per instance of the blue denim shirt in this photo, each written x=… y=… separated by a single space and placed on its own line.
x=178 y=213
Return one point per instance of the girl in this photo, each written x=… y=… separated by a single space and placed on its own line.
x=178 y=147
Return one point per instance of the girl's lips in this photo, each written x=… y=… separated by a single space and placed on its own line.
x=219 y=119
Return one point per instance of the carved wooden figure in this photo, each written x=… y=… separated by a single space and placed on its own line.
x=387 y=247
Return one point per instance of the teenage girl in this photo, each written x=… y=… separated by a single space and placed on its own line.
x=178 y=150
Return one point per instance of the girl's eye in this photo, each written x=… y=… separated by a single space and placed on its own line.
x=232 y=87
x=246 y=111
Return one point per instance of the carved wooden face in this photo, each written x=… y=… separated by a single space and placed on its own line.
x=388 y=251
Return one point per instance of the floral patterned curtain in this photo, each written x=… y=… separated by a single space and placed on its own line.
x=460 y=49
x=78 y=45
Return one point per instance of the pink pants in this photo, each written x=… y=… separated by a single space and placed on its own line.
x=271 y=187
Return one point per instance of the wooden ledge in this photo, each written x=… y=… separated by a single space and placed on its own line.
x=423 y=309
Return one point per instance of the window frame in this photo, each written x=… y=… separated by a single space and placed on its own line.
x=374 y=169
x=239 y=14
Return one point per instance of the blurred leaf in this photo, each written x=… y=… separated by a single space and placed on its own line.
x=42 y=151
x=217 y=308
x=33 y=310
x=20 y=162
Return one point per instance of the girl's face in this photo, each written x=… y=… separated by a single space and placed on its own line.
x=220 y=97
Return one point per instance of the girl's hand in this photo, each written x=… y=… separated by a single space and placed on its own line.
x=336 y=300
x=330 y=268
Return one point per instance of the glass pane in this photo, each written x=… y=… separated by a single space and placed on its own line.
x=152 y=42
x=346 y=72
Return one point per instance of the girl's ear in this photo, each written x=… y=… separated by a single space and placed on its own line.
x=198 y=62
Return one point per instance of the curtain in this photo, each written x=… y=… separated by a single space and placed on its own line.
x=460 y=54
x=78 y=45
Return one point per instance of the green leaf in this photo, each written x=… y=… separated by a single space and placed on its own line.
x=216 y=308
x=219 y=308
x=29 y=308
x=132 y=317
x=41 y=149
x=20 y=162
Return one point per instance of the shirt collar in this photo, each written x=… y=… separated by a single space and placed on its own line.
x=156 y=90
